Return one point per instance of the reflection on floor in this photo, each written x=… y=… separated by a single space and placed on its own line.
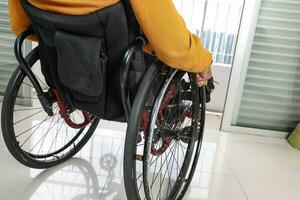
x=232 y=167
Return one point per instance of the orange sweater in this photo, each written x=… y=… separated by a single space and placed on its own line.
x=163 y=26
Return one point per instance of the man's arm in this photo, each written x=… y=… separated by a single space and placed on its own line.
x=169 y=37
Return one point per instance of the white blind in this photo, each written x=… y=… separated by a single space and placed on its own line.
x=7 y=59
x=271 y=96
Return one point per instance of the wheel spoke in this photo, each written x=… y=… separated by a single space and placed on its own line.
x=44 y=141
x=170 y=175
x=160 y=169
x=140 y=186
x=28 y=117
x=79 y=114
x=169 y=155
x=30 y=132
x=163 y=177
x=25 y=97
x=26 y=109
x=46 y=86
x=175 y=157
x=49 y=128
x=55 y=138
x=37 y=125
x=28 y=84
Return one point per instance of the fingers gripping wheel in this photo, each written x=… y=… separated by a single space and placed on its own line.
x=169 y=117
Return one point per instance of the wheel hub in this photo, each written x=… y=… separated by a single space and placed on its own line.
x=167 y=115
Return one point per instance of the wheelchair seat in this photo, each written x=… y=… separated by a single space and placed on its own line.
x=81 y=56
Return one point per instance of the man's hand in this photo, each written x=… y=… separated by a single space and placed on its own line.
x=203 y=77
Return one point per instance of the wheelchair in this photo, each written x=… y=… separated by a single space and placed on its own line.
x=93 y=68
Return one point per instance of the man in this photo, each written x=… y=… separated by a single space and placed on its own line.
x=166 y=31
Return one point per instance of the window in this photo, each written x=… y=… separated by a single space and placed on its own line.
x=216 y=22
x=271 y=94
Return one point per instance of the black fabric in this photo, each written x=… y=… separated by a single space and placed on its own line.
x=133 y=25
x=76 y=46
x=81 y=62
x=136 y=73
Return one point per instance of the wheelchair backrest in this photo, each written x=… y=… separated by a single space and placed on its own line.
x=81 y=56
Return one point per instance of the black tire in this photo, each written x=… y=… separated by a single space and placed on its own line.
x=129 y=166
x=149 y=97
x=66 y=149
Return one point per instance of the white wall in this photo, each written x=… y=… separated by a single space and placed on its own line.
x=221 y=74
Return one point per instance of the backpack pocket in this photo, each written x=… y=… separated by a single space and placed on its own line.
x=81 y=63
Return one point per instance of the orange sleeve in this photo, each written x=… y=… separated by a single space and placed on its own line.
x=19 y=21
x=169 y=37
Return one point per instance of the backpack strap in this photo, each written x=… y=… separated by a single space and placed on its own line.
x=133 y=25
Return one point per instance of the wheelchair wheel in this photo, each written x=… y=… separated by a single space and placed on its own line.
x=33 y=137
x=169 y=116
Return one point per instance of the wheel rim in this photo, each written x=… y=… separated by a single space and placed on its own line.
x=159 y=179
x=37 y=136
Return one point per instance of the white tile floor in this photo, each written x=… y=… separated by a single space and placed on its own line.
x=232 y=167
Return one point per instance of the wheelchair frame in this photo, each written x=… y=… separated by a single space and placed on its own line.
x=44 y=98
x=140 y=41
